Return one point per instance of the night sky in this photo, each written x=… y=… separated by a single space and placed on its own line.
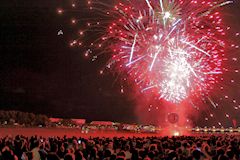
x=40 y=73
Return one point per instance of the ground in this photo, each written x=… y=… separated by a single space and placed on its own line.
x=48 y=132
x=69 y=132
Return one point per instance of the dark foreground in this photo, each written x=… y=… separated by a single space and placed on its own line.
x=51 y=144
x=79 y=146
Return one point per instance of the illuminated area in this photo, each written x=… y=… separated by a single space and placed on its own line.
x=177 y=74
x=176 y=133
x=171 y=53
x=175 y=53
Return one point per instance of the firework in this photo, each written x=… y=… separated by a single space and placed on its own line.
x=173 y=50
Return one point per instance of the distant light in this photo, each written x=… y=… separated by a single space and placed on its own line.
x=176 y=133
x=122 y=90
x=60 y=11
x=73 y=21
x=81 y=33
x=86 y=54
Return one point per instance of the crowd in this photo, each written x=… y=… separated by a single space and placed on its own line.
x=151 y=148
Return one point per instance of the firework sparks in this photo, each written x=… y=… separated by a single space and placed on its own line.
x=165 y=48
x=172 y=50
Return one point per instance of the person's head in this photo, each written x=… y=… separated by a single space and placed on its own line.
x=29 y=155
x=36 y=144
x=213 y=152
x=179 y=151
x=152 y=147
x=223 y=157
x=100 y=154
x=121 y=154
x=78 y=155
x=7 y=155
x=54 y=147
x=142 y=154
x=107 y=153
x=93 y=152
x=135 y=154
x=199 y=145
x=69 y=157
x=196 y=154
x=230 y=154
x=61 y=148
x=172 y=155
x=151 y=155
x=113 y=157
x=219 y=144
x=206 y=148
x=185 y=145
x=220 y=151
x=127 y=147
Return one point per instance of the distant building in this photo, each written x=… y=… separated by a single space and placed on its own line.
x=55 y=120
x=79 y=121
x=102 y=123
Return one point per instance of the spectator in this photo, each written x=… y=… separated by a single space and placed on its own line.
x=53 y=154
x=35 y=150
x=151 y=148
x=69 y=156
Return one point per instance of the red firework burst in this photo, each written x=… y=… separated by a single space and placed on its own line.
x=172 y=50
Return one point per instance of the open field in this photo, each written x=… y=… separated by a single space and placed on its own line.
x=46 y=132
x=69 y=132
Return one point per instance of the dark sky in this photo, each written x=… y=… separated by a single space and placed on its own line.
x=40 y=73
